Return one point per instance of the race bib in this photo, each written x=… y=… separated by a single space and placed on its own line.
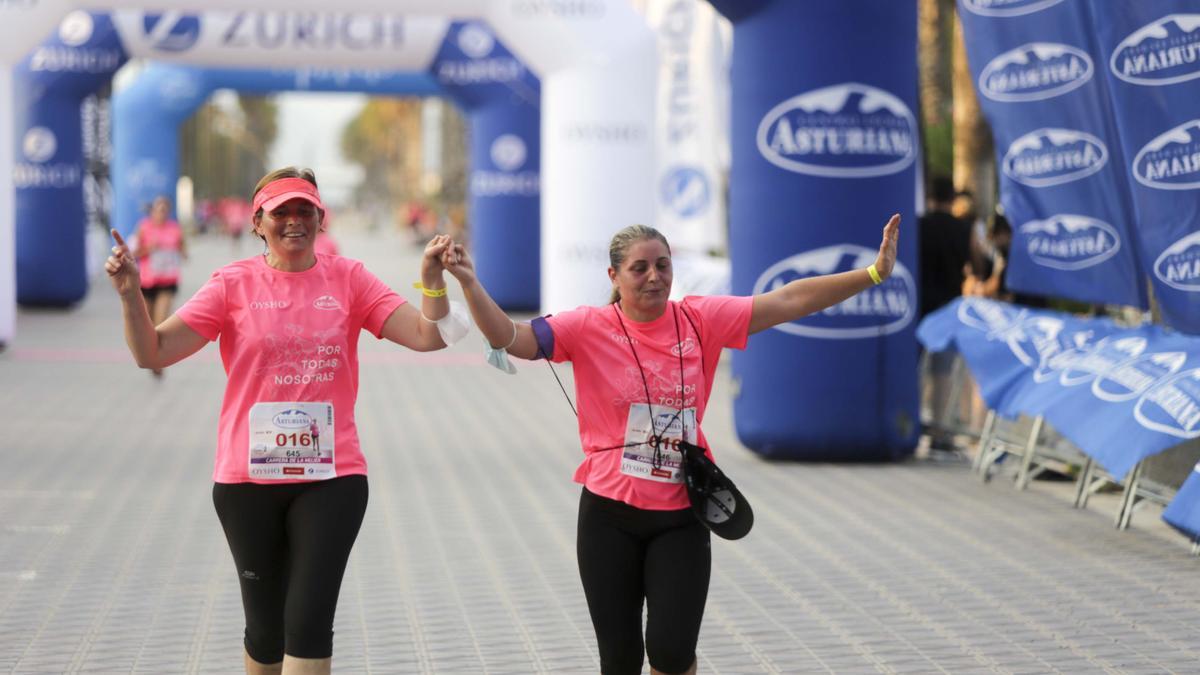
x=164 y=262
x=291 y=441
x=661 y=425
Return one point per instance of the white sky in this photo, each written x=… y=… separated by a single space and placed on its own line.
x=310 y=132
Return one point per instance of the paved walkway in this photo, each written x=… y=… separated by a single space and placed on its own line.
x=112 y=560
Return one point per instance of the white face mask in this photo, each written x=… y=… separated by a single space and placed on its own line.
x=455 y=325
x=498 y=358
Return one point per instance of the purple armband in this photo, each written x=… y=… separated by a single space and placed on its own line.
x=545 y=337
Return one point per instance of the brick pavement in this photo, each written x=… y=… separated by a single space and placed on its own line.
x=112 y=560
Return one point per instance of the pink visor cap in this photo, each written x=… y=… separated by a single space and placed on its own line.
x=279 y=191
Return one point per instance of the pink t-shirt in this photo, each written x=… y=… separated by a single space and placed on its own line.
x=289 y=338
x=611 y=396
x=160 y=267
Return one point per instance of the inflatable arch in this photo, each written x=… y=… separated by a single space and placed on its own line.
x=595 y=62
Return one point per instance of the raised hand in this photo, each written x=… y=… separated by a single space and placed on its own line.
x=459 y=264
x=121 y=268
x=886 y=260
x=431 y=260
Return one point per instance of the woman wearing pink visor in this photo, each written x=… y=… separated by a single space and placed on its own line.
x=290 y=480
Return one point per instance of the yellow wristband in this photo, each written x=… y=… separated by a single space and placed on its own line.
x=874 y=274
x=429 y=292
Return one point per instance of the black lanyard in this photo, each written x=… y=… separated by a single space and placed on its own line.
x=656 y=439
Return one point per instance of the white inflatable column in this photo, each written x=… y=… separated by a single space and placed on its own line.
x=8 y=203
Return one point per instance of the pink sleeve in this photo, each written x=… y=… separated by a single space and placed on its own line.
x=205 y=311
x=374 y=302
x=723 y=320
x=567 y=327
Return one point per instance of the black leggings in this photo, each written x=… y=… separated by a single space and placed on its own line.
x=290 y=543
x=627 y=554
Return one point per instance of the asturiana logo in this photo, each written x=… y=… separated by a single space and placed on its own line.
x=1179 y=265
x=1070 y=242
x=1172 y=160
x=877 y=311
x=1173 y=406
x=1035 y=72
x=292 y=419
x=171 y=31
x=1163 y=52
x=1007 y=7
x=1047 y=157
x=327 y=302
x=1127 y=381
x=848 y=130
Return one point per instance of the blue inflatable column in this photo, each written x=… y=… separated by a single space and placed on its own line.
x=825 y=145
x=505 y=202
x=51 y=218
x=146 y=119
x=51 y=256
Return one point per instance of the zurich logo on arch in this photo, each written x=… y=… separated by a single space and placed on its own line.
x=685 y=191
x=508 y=152
x=1163 y=52
x=848 y=130
x=76 y=29
x=171 y=31
x=877 y=311
x=39 y=144
x=1047 y=157
x=1001 y=8
x=1070 y=242
x=1035 y=72
x=475 y=41
x=1172 y=160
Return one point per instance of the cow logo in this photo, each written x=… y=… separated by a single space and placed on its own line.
x=1166 y=51
x=1047 y=157
x=39 y=144
x=849 y=130
x=1070 y=242
x=1179 y=265
x=171 y=31
x=475 y=41
x=1172 y=160
x=877 y=311
x=685 y=191
x=76 y=29
x=1172 y=406
x=1129 y=380
x=1035 y=72
x=1005 y=8
x=508 y=152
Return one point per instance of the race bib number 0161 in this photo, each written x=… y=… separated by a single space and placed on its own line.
x=291 y=441
x=659 y=424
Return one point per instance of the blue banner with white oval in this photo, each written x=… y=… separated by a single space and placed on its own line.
x=1120 y=394
x=1153 y=72
x=1037 y=69
x=824 y=152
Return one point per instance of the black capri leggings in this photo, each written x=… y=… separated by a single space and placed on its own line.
x=290 y=543
x=627 y=554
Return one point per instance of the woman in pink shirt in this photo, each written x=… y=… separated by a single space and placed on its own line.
x=290 y=480
x=643 y=369
x=160 y=250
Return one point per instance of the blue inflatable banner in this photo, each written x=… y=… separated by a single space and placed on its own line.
x=1183 y=513
x=52 y=82
x=1039 y=76
x=825 y=145
x=1152 y=64
x=502 y=99
x=1120 y=394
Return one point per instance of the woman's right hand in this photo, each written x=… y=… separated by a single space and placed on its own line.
x=459 y=264
x=121 y=268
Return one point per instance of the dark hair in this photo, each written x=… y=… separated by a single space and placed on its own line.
x=285 y=172
x=622 y=240
x=941 y=190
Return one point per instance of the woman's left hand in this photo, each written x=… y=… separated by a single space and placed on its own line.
x=431 y=261
x=886 y=260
